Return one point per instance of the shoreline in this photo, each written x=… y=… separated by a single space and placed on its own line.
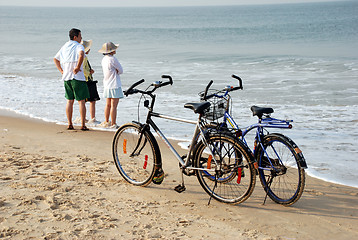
x=63 y=184
x=14 y=114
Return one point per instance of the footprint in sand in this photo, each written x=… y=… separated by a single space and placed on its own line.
x=314 y=192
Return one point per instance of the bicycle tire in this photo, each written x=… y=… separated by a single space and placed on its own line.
x=139 y=169
x=235 y=179
x=288 y=180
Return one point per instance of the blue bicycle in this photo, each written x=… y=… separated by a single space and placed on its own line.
x=281 y=164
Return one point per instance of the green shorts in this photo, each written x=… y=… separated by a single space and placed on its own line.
x=76 y=90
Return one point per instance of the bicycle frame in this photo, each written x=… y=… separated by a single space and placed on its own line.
x=266 y=122
x=166 y=141
x=260 y=126
x=197 y=133
x=263 y=123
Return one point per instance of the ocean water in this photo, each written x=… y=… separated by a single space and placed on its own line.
x=300 y=59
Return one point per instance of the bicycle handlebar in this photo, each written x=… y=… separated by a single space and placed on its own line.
x=132 y=90
x=228 y=89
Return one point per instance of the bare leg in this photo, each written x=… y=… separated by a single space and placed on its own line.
x=69 y=111
x=82 y=106
x=107 y=109
x=114 y=104
x=93 y=109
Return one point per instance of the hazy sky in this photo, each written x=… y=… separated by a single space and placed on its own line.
x=153 y=3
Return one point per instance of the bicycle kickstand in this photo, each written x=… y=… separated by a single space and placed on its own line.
x=181 y=187
x=267 y=188
x=212 y=193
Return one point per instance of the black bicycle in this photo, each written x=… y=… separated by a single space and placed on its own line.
x=222 y=163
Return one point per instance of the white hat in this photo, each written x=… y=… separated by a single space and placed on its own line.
x=87 y=45
x=108 y=47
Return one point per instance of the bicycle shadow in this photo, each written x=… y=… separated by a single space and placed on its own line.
x=320 y=199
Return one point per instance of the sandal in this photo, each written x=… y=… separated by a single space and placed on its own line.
x=84 y=128
x=70 y=127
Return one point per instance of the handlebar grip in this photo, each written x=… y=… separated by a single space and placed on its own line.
x=240 y=81
x=169 y=77
x=130 y=89
x=236 y=88
x=166 y=83
x=207 y=89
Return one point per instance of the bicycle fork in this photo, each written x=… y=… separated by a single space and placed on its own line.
x=139 y=141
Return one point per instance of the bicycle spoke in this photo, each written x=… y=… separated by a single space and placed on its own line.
x=223 y=185
x=134 y=154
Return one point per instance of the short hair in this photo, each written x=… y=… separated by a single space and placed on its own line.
x=74 y=32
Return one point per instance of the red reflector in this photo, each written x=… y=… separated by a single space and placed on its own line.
x=209 y=162
x=145 y=162
x=239 y=175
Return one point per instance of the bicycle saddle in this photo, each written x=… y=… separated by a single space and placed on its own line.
x=198 y=107
x=259 y=111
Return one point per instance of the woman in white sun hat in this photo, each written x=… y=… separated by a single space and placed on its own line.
x=112 y=86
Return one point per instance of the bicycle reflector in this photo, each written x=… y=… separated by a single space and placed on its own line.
x=125 y=146
x=145 y=162
x=239 y=171
x=297 y=150
x=209 y=162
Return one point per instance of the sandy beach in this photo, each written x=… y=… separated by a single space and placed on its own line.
x=60 y=184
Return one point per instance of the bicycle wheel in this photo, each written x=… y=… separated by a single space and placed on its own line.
x=135 y=154
x=280 y=170
x=226 y=172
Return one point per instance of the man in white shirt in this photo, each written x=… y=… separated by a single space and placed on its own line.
x=68 y=61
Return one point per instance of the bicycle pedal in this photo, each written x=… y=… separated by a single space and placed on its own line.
x=180 y=188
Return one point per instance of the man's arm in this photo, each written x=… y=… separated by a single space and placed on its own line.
x=79 y=62
x=58 y=65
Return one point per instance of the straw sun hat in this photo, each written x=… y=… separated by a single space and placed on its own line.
x=108 y=47
x=87 y=45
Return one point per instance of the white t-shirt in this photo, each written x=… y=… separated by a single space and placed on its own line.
x=68 y=55
x=111 y=71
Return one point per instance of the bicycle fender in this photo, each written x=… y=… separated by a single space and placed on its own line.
x=298 y=151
